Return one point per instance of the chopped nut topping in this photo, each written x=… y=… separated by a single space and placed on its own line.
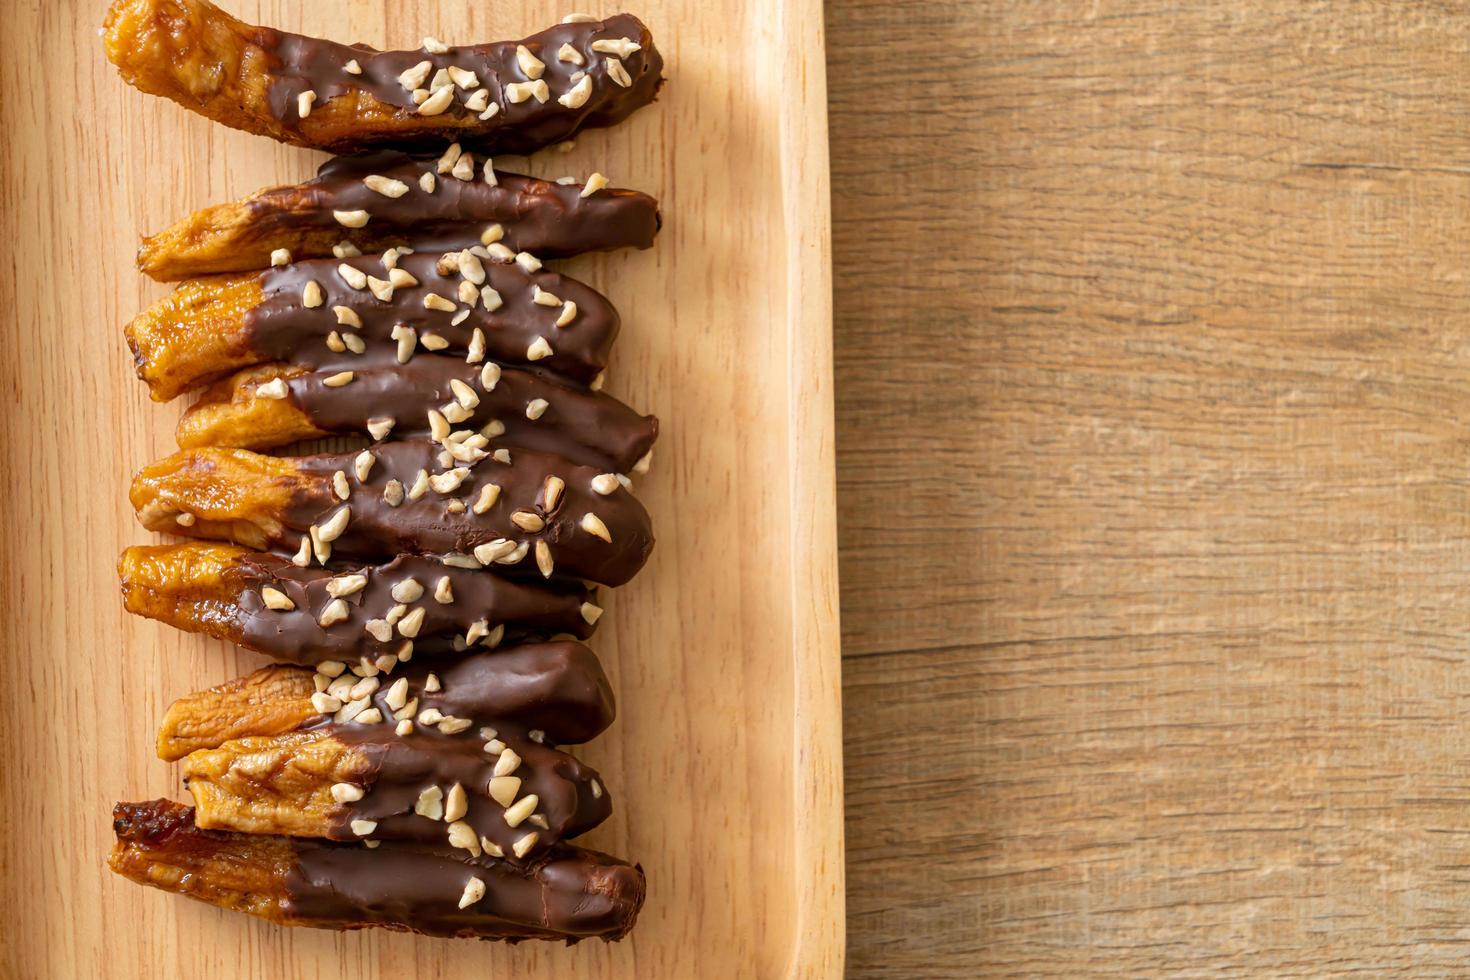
x=346 y=585
x=352 y=67
x=352 y=219
x=433 y=341
x=346 y=250
x=369 y=716
x=536 y=408
x=532 y=66
x=501 y=455
x=576 y=96
x=355 y=278
x=332 y=529
x=551 y=492
x=416 y=76
x=451 y=156
x=438 y=101
x=446 y=483
x=541 y=297
x=508 y=762
x=382 y=289
x=517 y=813
x=498 y=252
x=340 y=486
x=185 y=520
x=275 y=388
x=401 y=278
x=570 y=55
x=622 y=47
x=539 y=349
x=489 y=493
x=644 y=463
x=527 y=521
x=407 y=338
x=543 y=559
x=435 y=46
x=464 y=167
x=336 y=612
x=490 y=298
x=433 y=301
x=380 y=630
x=420 y=485
x=523 y=846
x=456 y=805
x=325 y=704
x=386 y=186
x=493 y=551
x=476 y=352
x=503 y=789
x=304 y=102
x=478 y=101
x=598 y=381
x=354 y=343
x=595 y=183
x=472 y=268
x=492 y=234
x=338 y=380
x=405 y=728
x=302 y=558
x=364 y=827
x=407 y=590
x=467 y=294
x=363 y=465
x=312 y=296
x=335 y=343
x=363 y=688
x=430 y=803
x=462 y=835
x=276 y=599
x=617 y=72
x=464 y=78
x=444 y=591
x=428 y=182
x=568 y=313
x=528 y=262
x=280 y=257
x=380 y=427
x=397 y=695
x=517 y=92
x=321 y=549
x=593 y=525
x=474 y=890
x=590 y=613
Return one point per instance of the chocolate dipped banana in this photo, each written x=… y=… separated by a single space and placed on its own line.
x=520 y=409
x=518 y=511
x=565 y=893
x=504 y=97
x=557 y=688
x=370 y=203
x=483 y=305
x=308 y=614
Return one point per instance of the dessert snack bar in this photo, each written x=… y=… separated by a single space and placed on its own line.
x=506 y=97
x=375 y=311
x=565 y=893
x=266 y=603
x=522 y=409
x=444 y=203
x=520 y=512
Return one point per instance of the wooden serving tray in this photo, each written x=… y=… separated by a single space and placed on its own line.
x=725 y=760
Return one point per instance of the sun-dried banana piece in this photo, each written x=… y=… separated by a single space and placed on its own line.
x=269 y=604
x=408 y=199
x=522 y=410
x=556 y=688
x=339 y=317
x=525 y=513
x=567 y=893
x=357 y=778
x=330 y=96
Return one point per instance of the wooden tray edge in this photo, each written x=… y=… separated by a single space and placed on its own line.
x=820 y=946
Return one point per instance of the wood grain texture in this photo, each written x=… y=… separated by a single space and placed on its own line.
x=724 y=761
x=1152 y=363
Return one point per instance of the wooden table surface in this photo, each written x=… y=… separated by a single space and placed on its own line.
x=1153 y=346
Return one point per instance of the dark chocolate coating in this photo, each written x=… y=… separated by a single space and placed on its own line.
x=568 y=893
x=281 y=327
x=547 y=219
x=425 y=526
x=402 y=767
x=298 y=64
x=296 y=636
x=579 y=425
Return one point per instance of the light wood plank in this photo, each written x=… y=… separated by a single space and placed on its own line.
x=724 y=761
x=1152 y=363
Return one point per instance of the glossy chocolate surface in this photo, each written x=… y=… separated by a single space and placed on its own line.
x=581 y=426
x=283 y=327
x=299 y=64
x=428 y=526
